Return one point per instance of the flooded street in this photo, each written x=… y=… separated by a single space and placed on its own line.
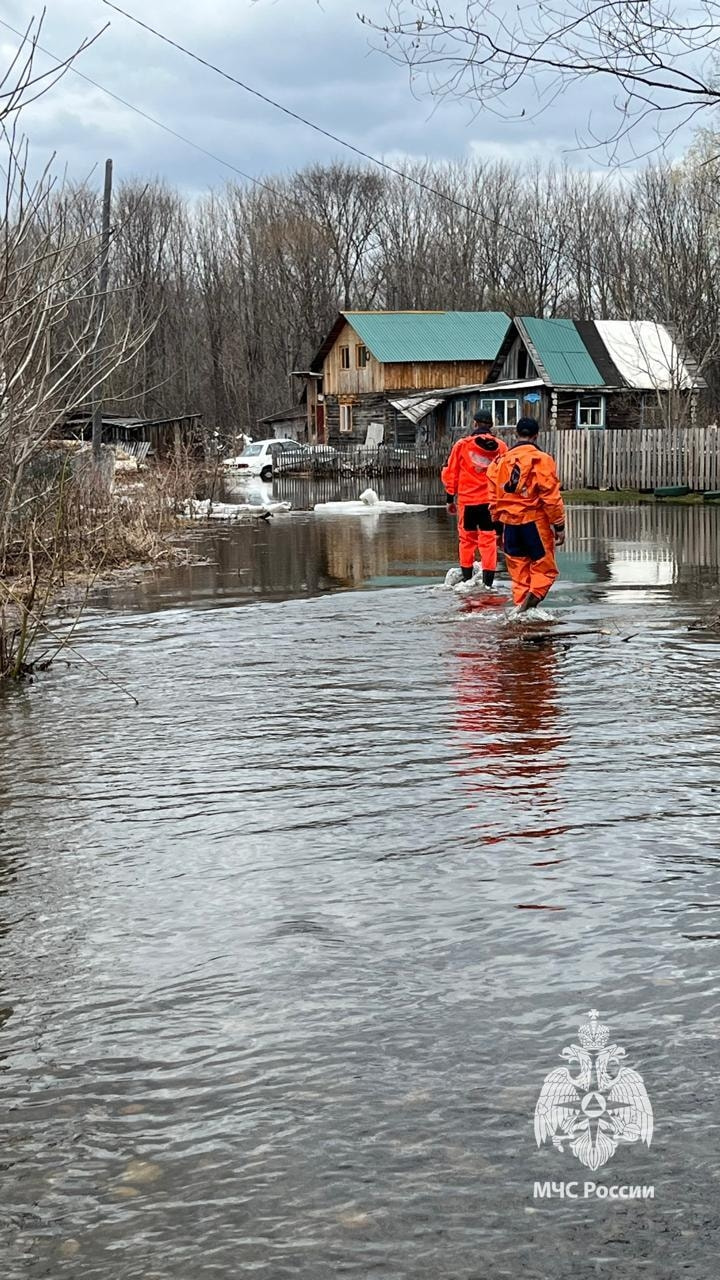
x=288 y=950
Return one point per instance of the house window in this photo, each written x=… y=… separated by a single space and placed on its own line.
x=504 y=412
x=590 y=411
x=344 y=357
x=361 y=356
x=346 y=419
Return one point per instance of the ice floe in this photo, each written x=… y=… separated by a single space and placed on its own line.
x=206 y=510
x=367 y=504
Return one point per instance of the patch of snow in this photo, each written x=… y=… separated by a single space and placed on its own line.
x=645 y=354
x=207 y=510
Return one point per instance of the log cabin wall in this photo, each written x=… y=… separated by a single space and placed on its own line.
x=567 y=409
x=625 y=409
x=365 y=409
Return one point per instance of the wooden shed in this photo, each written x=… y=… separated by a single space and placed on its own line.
x=162 y=434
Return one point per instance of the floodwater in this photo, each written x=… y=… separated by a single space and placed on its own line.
x=288 y=949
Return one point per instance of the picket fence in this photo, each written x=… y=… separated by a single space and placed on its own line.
x=645 y=459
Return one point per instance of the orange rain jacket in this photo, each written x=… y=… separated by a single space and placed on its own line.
x=465 y=473
x=523 y=485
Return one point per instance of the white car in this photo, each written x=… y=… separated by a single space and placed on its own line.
x=257 y=458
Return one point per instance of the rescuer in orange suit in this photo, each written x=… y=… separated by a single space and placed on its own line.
x=465 y=479
x=524 y=497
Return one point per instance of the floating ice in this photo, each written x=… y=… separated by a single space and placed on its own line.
x=367 y=504
x=207 y=510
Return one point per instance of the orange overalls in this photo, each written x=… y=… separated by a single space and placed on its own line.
x=524 y=495
x=465 y=479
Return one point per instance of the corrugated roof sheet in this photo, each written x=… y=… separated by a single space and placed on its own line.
x=563 y=353
x=415 y=409
x=416 y=336
x=646 y=355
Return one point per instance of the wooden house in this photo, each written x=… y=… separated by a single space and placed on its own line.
x=373 y=365
x=593 y=373
x=421 y=375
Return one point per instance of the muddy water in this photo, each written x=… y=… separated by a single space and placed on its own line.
x=288 y=950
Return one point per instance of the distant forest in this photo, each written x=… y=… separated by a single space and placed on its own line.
x=239 y=288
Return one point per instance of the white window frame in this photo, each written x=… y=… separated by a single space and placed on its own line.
x=360 y=362
x=345 y=355
x=489 y=402
x=346 y=419
x=582 y=407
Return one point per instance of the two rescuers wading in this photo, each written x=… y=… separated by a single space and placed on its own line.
x=466 y=486
x=524 y=496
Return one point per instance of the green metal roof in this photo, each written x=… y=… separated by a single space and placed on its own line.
x=562 y=353
x=416 y=336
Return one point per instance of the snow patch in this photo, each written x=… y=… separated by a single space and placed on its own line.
x=195 y=510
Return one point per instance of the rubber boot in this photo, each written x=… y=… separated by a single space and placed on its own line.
x=466 y=572
x=488 y=577
x=530 y=602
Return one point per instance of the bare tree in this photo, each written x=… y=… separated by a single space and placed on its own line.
x=657 y=57
x=56 y=348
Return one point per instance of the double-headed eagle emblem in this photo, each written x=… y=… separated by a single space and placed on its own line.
x=596 y=1110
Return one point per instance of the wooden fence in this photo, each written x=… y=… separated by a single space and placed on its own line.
x=637 y=459
x=587 y=459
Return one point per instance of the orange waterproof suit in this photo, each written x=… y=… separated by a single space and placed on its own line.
x=524 y=495
x=465 y=479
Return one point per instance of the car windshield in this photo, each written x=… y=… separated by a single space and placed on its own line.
x=252 y=451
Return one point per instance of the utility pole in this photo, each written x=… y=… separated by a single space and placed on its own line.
x=103 y=277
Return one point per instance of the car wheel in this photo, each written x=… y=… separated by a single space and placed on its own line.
x=266 y=473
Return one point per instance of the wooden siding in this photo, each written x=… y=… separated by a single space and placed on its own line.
x=338 y=381
x=508 y=371
x=427 y=375
x=366 y=409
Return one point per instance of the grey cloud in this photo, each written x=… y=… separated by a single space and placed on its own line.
x=315 y=60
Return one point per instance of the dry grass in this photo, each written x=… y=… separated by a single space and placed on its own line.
x=72 y=531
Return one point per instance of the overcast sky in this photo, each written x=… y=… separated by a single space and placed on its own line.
x=313 y=57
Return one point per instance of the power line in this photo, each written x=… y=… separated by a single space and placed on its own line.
x=174 y=133
x=144 y=114
x=334 y=137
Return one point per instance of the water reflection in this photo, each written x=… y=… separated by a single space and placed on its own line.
x=298 y=555
x=510 y=731
x=303 y=555
x=303 y=492
x=645 y=545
